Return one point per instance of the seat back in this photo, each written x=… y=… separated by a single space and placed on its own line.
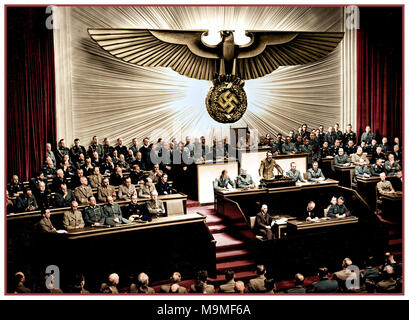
x=325 y=212
x=305 y=174
x=252 y=222
x=174 y=207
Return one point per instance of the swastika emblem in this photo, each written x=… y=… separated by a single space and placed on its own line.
x=228 y=101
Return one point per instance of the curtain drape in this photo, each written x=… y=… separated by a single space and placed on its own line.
x=379 y=65
x=30 y=119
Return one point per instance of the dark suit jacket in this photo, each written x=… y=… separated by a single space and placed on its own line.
x=262 y=221
x=305 y=214
x=62 y=202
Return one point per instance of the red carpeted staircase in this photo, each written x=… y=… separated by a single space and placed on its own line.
x=395 y=236
x=231 y=252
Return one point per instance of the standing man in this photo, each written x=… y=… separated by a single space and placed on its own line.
x=95 y=147
x=267 y=166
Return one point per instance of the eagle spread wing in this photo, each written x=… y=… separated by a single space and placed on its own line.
x=187 y=54
x=183 y=51
x=266 y=50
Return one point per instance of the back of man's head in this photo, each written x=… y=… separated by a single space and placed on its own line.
x=322 y=272
x=202 y=275
x=229 y=274
x=260 y=269
x=299 y=279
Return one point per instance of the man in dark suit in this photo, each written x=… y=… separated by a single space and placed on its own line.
x=257 y=285
x=310 y=214
x=324 y=285
x=174 y=286
x=298 y=285
x=64 y=197
x=58 y=180
x=201 y=285
x=42 y=196
x=163 y=186
x=15 y=187
x=121 y=148
x=263 y=223
x=26 y=202
x=228 y=287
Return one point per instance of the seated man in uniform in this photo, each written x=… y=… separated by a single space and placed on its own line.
x=263 y=223
x=384 y=186
x=83 y=192
x=106 y=190
x=339 y=210
x=146 y=189
x=136 y=175
x=223 y=182
x=155 y=174
x=315 y=174
x=377 y=168
x=95 y=179
x=266 y=170
x=126 y=190
x=94 y=214
x=244 y=180
x=174 y=284
x=113 y=213
x=391 y=166
x=359 y=155
x=361 y=170
x=73 y=218
x=15 y=187
x=310 y=214
x=163 y=186
x=155 y=207
x=134 y=211
x=341 y=159
x=293 y=173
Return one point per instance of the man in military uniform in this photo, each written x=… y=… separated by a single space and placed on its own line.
x=267 y=166
x=62 y=150
x=95 y=179
x=341 y=159
x=49 y=169
x=362 y=170
x=113 y=213
x=350 y=147
x=367 y=136
x=76 y=150
x=134 y=146
x=223 y=182
x=391 y=166
x=50 y=154
x=94 y=214
x=378 y=154
x=105 y=191
x=73 y=218
x=315 y=174
x=340 y=135
x=349 y=135
x=298 y=143
x=331 y=136
x=121 y=148
x=107 y=149
x=293 y=173
x=146 y=189
x=126 y=190
x=384 y=186
x=313 y=153
x=95 y=147
x=83 y=192
x=15 y=187
x=155 y=207
x=257 y=285
x=326 y=151
x=377 y=168
x=356 y=157
x=288 y=147
x=244 y=180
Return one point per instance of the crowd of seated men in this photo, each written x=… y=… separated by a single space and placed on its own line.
x=82 y=170
x=371 y=278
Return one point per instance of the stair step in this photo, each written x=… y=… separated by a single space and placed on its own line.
x=226 y=241
x=212 y=220
x=231 y=254
x=217 y=228
x=237 y=265
x=394 y=232
x=395 y=242
x=244 y=276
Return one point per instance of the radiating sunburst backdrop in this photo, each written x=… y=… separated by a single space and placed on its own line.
x=111 y=98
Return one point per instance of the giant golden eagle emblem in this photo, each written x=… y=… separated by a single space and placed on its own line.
x=226 y=64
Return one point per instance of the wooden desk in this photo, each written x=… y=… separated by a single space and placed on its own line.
x=391 y=206
x=327 y=166
x=155 y=223
x=367 y=188
x=208 y=172
x=322 y=223
x=59 y=211
x=344 y=175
